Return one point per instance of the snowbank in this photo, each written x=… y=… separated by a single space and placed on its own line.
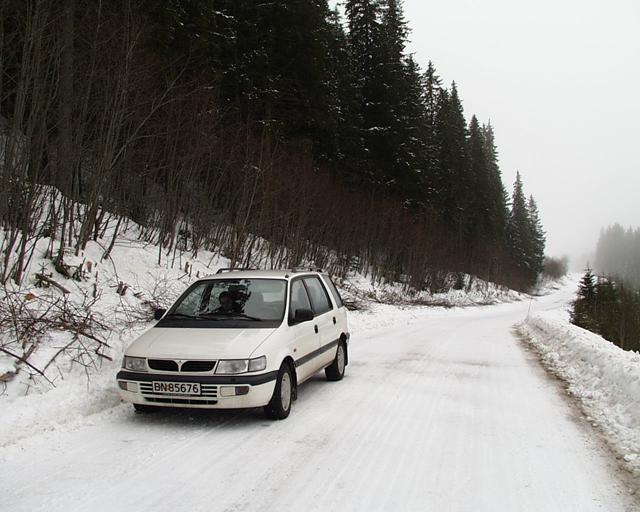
x=473 y=292
x=604 y=378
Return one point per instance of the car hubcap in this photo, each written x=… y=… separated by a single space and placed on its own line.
x=285 y=391
x=341 y=359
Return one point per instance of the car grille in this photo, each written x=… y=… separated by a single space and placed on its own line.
x=170 y=365
x=163 y=365
x=208 y=391
x=185 y=401
x=197 y=366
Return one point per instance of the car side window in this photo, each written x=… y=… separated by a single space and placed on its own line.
x=334 y=291
x=318 y=293
x=299 y=298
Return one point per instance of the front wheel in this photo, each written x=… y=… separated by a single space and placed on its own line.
x=335 y=371
x=280 y=405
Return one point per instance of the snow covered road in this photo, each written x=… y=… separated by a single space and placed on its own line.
x=446 y=413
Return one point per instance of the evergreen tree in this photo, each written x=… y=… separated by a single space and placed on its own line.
x=498 y=200
x=363 y=17
x=606 y=316
x=478 y=222
x=454 y=190
x=609 y=308
x=519 y=232
x=413 y=133
x=276 y=69
x=340 y=143
x=432 y=91
x=583 y=307
x=396 y=97
x=390 y=89
x=387 y=131
x=537 y=238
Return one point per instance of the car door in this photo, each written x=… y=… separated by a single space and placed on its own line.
x=324 y=312
x=339 y=317
x=305 y=335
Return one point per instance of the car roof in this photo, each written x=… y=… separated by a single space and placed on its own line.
x=257 y=274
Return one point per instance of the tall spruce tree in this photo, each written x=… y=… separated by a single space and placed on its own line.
x=537 y=237
x=363 y=17
x=453 y=188
x=498 y=195
x=412 y=162
x=340 y=143
x=432 y=91
x=584 y=306
x=478 y=221
x=392 y=125
x=518 y=231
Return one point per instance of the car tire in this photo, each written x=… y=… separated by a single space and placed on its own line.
x=145 y=409
x=280 y=405
x=335 y=371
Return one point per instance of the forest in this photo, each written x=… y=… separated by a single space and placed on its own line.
x=618 y=254
x=276 y=134
x=609 y=303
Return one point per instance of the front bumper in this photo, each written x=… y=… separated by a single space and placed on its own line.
x=139 y=390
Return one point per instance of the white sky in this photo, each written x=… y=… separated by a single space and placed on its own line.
x=559 y=81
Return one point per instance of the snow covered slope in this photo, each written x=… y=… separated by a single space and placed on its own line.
x=77 y=381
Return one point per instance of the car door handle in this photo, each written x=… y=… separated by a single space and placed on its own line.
x=315 y=328
x=334 y=320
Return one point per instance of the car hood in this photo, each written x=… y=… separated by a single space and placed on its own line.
x=185 y=343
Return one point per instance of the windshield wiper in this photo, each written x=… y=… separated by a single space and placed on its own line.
x=221 y=315
x=211 y=315
x=247 y=317
x=180 y=315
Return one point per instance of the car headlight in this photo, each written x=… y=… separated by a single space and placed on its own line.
x=135 y=364
x=257 y=364
x=230 y=366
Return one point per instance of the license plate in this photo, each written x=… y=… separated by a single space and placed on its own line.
x=176 y=388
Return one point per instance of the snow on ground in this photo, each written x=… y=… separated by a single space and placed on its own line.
x=442 y=410
x=30 y=403
x=470 y=291
x=602 y=377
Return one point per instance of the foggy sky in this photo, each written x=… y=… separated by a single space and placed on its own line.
x=559 y=81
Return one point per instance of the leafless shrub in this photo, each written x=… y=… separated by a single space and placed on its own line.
x=157 y=291
x=27 y=320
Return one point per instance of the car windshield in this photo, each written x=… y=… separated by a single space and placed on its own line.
x=235 y=301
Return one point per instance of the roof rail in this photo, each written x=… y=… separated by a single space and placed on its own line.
x=229 y=269
x=306 y=269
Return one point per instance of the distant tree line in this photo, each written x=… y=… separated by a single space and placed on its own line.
x=274 y=133
x=555 y=268
x=618 y=254
x=609 y=308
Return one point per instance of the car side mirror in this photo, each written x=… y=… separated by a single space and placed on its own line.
x=159 y=313
x=302 y=315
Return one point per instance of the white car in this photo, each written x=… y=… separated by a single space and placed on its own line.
x=239 y=339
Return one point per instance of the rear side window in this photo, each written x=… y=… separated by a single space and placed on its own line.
x=334 y=291
x=319 y=298
x=299 y=298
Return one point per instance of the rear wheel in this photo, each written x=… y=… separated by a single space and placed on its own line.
x=335 y=371
x=280 y=405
